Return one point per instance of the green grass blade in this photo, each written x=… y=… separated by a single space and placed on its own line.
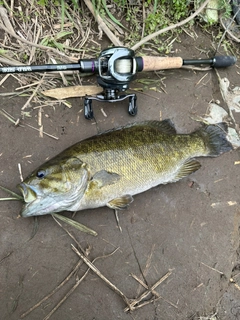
x=8 y=117
x=75 y=224
x=63 y=34
x=15 y=195
x=155 y=6
x=110 y=15
x=8 y=199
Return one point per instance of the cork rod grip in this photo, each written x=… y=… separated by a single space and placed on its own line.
x=161 y=63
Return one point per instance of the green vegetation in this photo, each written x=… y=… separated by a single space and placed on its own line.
x=68 y=25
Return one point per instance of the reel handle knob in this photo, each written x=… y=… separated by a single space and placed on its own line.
x=223 y=61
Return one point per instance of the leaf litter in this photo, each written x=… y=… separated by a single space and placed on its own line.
x=216 y=113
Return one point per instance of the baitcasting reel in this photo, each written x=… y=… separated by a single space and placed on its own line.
x=115 y=68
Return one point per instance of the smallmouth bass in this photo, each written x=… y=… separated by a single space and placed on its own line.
x=110 y=168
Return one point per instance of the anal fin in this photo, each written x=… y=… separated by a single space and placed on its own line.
x=187 y=168
x=121 y=202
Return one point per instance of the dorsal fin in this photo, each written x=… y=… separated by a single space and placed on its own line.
x=166 y=126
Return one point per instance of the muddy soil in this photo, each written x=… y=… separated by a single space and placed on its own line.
x=190 y=228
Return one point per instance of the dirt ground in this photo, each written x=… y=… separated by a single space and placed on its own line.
x=190 y=228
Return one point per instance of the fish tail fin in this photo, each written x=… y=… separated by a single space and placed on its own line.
x=215 y=139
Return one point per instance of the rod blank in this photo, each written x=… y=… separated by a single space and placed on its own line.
x=41 y=68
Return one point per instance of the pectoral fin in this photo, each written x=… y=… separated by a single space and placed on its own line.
x=120 y=203
x=103 y=178
x=188 y=167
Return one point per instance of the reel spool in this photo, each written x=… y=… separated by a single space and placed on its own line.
x=123 y=66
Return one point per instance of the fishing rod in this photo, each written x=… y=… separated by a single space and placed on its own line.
x=115 y=68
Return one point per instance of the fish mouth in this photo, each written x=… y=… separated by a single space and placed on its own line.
x=28 y=193
x=30 y=198
x=36 y=203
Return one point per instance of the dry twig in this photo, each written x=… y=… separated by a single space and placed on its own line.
x=44 y=48
x=76 y=285
x=95 y=270
x=135 y=303
x=102 y=25
x=5 y=19
x=16 y=122
x=54 y=290
x=33 y=94
x=132 y=304
x=75 y=269
x=226 y=28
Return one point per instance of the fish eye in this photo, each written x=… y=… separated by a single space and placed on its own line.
x=41 y=174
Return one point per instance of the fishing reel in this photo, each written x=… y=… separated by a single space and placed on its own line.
x=116 y=68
